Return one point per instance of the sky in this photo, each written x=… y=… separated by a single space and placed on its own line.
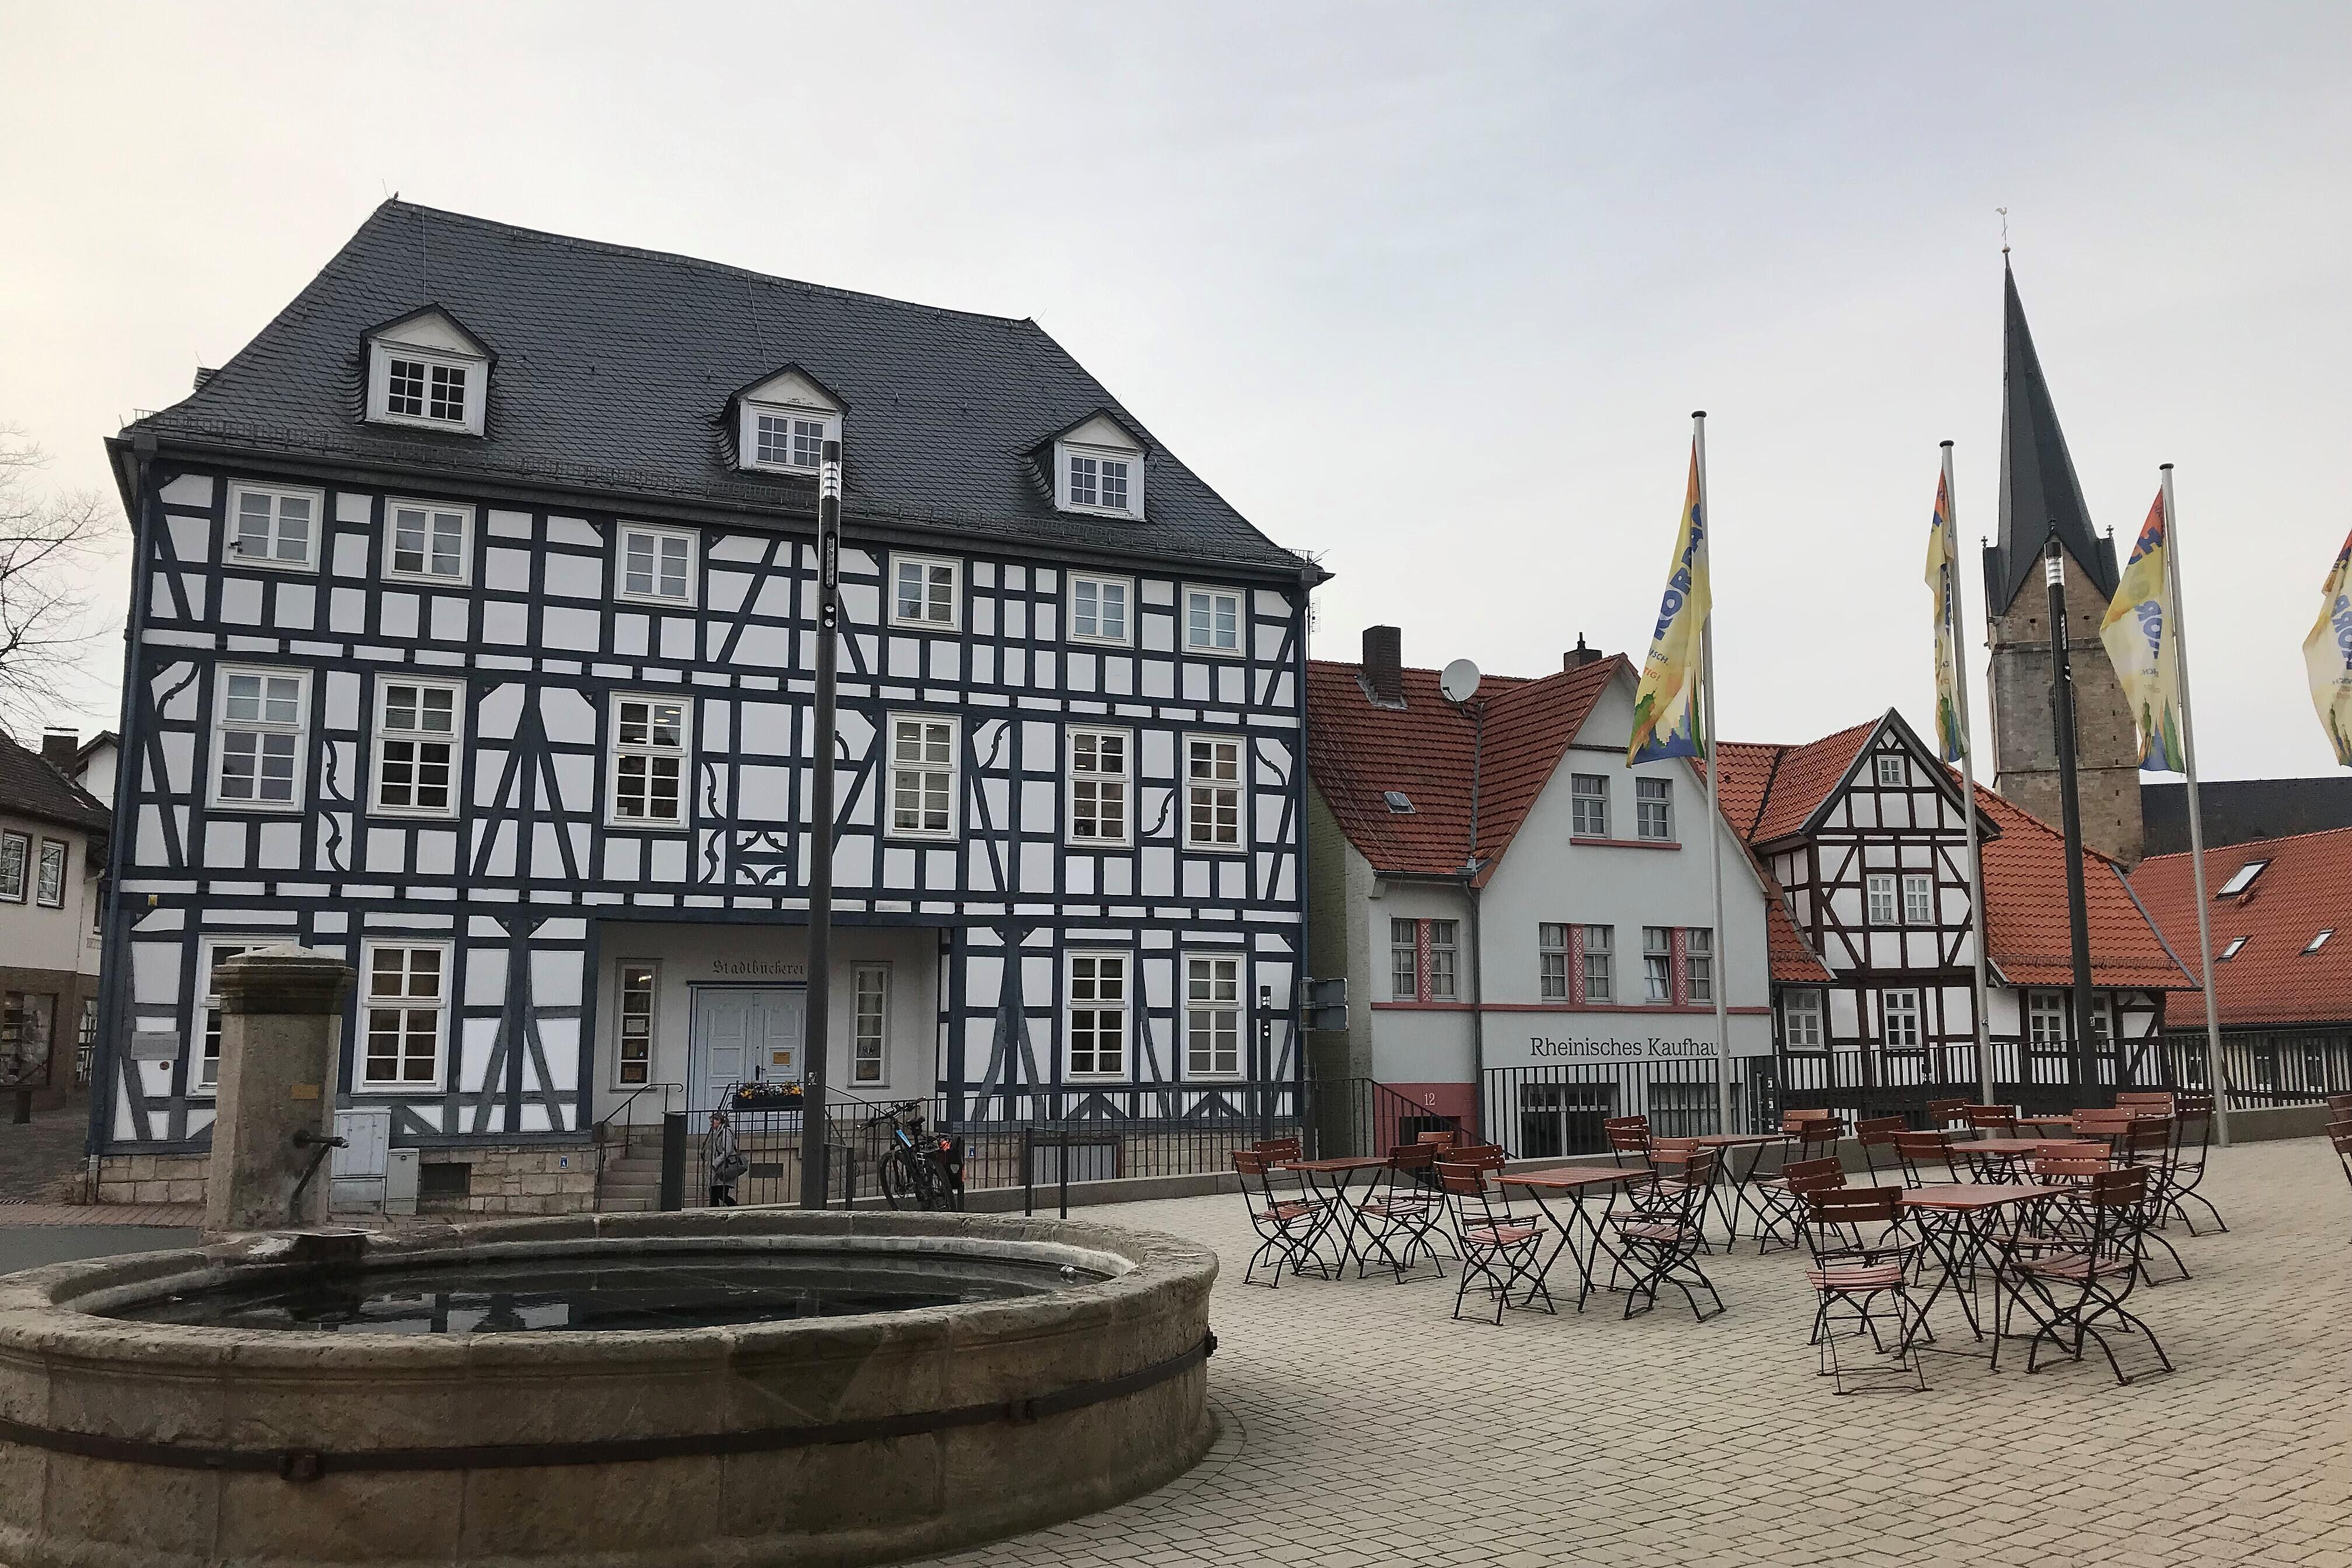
x=1428 y=291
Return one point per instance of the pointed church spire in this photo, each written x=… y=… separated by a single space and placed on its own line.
x=2037 y=476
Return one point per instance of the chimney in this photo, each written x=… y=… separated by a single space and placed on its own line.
x=58 y=748
x=1579 y=655
x=1384 y=666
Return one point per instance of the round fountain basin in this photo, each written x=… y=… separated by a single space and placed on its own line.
x=729 y=1387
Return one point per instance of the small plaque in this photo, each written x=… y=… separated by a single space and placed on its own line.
x=155 y=1046
x=306 y=1092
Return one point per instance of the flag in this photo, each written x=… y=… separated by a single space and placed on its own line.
x=1943 y=549
x=1668 y=721
x=2144 y=645
x=2327 y=654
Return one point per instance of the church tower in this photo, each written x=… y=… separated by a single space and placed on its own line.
x=2039 y=493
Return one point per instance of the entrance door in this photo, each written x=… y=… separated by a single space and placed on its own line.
x=745 y=1035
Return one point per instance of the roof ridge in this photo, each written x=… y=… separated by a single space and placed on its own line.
x=2247 y=844
x=611 y=247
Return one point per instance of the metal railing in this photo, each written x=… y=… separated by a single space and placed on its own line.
x=1546 y=1113
x=2037 y=1078
x=2269 y=1066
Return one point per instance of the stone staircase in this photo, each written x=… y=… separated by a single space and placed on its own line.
x=632 y=1179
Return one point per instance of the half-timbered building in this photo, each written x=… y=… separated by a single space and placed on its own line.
x=1862 y=834
x=471 y=639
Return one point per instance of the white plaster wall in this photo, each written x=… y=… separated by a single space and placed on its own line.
x=32 y=936
x=1410 y=1045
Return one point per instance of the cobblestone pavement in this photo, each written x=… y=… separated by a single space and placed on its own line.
x=1361 y=1426
x=43 y=1159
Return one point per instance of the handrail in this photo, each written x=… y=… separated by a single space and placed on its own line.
x=607 y=1120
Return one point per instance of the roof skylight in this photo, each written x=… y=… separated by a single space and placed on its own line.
x=1399 y=802
x=2320 y=940
x=2229 y=952
x=2242 y=878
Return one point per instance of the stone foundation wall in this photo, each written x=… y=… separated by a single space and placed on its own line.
x=510 y=1180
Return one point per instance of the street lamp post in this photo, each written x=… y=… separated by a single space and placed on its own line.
x=818 y=1032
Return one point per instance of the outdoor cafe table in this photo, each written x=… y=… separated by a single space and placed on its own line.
x=1959 y=1225
x=2000 y=1156
x=1727 y=1201
x=1574 y=1185
x=1349 y=1210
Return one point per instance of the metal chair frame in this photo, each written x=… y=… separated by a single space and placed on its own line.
x=2069 y=1295
x=1408 y=1207
x=1500 y=1248
x=1658 y=1244
x=1857 y=1276
x=1290 y=1226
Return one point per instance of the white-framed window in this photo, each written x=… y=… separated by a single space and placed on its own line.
x=2045 y=1020
x=1803 y=1027
x=1588 y=797
x=426 y=387
x=269 y=525
x=632 y=1054
x=428 y=540
x=49 y=883
x=214 y=954
x=1898 y=1018
x=1096 y=1015
x=1404 y=960
x=1653 y=810
x=657 y=565
x=1657 y=964
x=403 y=1015
x=1213 y=792
x=1444 y=959
x=2230 y=949
x=1698 y=963
x=1101 y=609
x=1551 y=961
x=650 y=745
x=2318 y=941
x=417 y=737
x=785 y=438
x=1600 y=955
x=15 y=867
x=1891 y=772
x=258 y=721
x=1101 y=479
x=869 y=1023
x=1213 y=622
x=1879 y=887
x=923 y=593
x=1212 y=1017
x=1919 y=899
x=1102 y=787
x=922 y=777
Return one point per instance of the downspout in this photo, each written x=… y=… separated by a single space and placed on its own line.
x=1470 y=889
x=114 y=952
x=1298 y=974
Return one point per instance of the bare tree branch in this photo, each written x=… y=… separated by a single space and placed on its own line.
x=48 y=544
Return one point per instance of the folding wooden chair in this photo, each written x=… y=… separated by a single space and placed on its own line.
x=1991 y=1121
x=2192 y=1137
x=1945 y=1114
x=2340 y=1133
x=1400 y=1215
x=1877 y=1137
x=1659 y=1244
x=1858 y=1277
x=1926 y=1158
x=2081 y=1292
x=1501 y=1251
x=1778 y=1211
x=1629 y=1140
x=1289 y=1216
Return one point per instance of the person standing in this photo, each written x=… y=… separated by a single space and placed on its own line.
x=726 y=1163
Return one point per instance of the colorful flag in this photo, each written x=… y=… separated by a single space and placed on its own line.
x=2327 y=654
x=2144 y=645
x=1943 y=549
x=1668 y=721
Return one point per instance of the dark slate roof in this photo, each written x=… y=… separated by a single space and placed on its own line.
x=2240 y=810
x=2037 y=475
x=30 y=787
x=614 y=366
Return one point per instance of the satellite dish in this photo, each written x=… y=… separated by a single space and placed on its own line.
x=1460 y=682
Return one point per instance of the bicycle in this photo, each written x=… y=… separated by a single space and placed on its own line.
x=926 y=1172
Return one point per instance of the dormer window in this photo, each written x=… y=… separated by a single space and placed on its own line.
x=1098 y=468
x=784 y=421
x=426 y=370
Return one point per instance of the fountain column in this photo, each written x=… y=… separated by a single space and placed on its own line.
x=281 y=1028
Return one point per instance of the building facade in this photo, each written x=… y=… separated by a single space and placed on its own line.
x=1566 y=968
x=53 y=838
x=473 y=640
x=2280 y=910
x=1862 y=835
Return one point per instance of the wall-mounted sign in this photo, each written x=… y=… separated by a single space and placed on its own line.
x=1655 y=1047
x=759 y=968
x=155 y=1046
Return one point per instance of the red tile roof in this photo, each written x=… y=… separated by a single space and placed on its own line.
x=2025 y=910
x=1356 y=750
x=2304 y=889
